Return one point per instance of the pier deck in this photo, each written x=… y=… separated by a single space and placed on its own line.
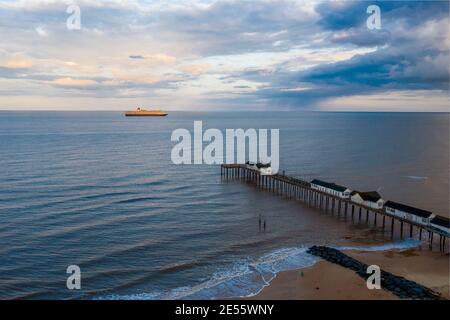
x=301 y=190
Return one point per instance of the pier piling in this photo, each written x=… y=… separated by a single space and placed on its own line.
x=300 y=190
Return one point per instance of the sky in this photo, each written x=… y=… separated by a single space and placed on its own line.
x=224 y=55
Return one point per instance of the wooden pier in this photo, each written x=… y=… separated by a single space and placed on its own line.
x=300 y=190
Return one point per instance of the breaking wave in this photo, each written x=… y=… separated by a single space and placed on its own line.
x=248 y=277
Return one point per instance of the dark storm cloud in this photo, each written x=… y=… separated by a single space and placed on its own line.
x=412 y=54
x=340 y=15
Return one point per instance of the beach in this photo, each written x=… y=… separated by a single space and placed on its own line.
x=326 y=280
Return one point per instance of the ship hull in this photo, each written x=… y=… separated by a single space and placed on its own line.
x=145 y=114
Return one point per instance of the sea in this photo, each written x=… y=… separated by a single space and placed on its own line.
x=99 y=190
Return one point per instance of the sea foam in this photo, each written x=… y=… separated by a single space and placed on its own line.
x=248 y=277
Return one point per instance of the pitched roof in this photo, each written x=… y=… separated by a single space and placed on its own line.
x=441 y=221
x=405 y=208
x=329 y=185
x=371 y=196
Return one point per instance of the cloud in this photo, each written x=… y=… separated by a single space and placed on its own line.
x=361 y=37
x=298 y=54
x=41 y=31
x=69 y=82
x=15 y=62
x=409 y=55
x=136 y=57
x=195 y=69
x=155 y=58
x=411 y=101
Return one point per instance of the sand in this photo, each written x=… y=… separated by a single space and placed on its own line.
x=326 y=280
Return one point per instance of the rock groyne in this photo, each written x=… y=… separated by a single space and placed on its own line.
x=401 y=287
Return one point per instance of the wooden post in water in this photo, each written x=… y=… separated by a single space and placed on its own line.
x=392 y=227
x=401 y=229
x=410 y=230
x=367 y=215
x=420 y=234
x=431 y=240
x=353 y=211
x=375 y=219
x=384 y=221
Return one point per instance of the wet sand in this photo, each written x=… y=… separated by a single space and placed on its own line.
x=326 y=280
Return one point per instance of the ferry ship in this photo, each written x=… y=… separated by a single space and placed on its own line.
x=140 y=112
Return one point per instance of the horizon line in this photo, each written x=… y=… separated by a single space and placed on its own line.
x=237 y=111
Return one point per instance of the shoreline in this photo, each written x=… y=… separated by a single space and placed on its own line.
x=327 y=281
